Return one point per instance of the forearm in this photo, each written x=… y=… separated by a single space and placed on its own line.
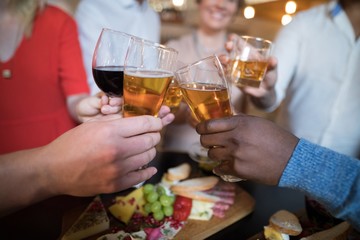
x=266 y=102
x=330 y=178
x=23 y=180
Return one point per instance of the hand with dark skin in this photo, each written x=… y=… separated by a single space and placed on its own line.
x=249 y=147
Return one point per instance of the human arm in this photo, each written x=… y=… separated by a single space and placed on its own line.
x=259 y=150
x=99 y=156
x=330 y=178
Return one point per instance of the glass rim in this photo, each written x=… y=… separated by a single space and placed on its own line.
x=260 y=39
x=136 y=38
x=182 y=69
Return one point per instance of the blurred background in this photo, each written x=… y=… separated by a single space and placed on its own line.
x=262 y=18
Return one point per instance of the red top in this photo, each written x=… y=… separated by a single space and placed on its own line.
x=45 y=69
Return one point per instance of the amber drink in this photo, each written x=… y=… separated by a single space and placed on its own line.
x=148 y=72
x=144 y=92
x=205 y=89
x=173 y=97
x=207 y=101
x=248 y=61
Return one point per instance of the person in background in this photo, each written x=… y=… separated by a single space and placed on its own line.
x=42 y=76
x=208 y=39
x=318 y=81
x=134 y=17
x=261 y=151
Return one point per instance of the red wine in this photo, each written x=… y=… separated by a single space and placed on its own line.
x=109 y=79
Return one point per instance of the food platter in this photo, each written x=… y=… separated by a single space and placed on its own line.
x=243 y=205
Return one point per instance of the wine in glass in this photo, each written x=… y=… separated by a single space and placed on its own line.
x=205 y=89
x=149 y=70
x=108 y=61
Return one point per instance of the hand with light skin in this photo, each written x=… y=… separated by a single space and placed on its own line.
x=98 y=105
x=264 y=96
x=253 y=148
x=102 y=155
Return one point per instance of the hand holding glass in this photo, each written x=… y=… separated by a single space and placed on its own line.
x=149 y=70
x=248 y=61
x=205 y=89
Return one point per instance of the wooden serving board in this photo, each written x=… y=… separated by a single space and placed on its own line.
x=197 y=230
x=194 y=229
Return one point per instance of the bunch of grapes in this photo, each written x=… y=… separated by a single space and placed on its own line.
x=158 y=202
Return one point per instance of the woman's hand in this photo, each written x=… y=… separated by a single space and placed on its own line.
x=98 y=105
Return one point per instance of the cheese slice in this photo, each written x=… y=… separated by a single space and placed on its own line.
x=201 y=210
x=92 y=221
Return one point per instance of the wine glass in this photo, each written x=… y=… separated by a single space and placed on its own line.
x=108 y=61
x=206 y=91
x=149 y=70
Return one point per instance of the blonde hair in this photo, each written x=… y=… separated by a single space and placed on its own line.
x=26 y=10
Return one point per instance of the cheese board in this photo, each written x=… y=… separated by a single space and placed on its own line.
x=243 y=204
x=194 y=229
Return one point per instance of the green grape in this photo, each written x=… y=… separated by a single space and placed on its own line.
x=159 y=215
x=168 y=211
x=172 y=199
x=152 y=197
x=155 y=206
x=148 y=188
x=161 y=190
x=165 y=200
x=147 y=207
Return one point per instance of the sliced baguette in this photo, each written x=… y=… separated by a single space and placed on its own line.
x=195 y=184
x=179 y=172
x=198 y=195
x=285 y=222
x=338 y=232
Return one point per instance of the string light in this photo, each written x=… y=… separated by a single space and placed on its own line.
x=290 y=7
x=249 y=12
x=286 y=18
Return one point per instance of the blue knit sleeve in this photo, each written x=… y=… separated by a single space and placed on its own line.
x=328 y=177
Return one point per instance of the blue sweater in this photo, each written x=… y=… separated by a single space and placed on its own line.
x=331 y=178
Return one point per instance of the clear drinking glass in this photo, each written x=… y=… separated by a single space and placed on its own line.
x=248 y=61
x=108 y=61
x=206 y=91
x=149 y=70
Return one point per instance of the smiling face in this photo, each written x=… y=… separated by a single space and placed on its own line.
x=216 y=15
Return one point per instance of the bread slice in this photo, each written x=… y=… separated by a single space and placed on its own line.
x=285 y=222
x=195 y=184
x=178 y=173
x=338 y=232
x=198 y=195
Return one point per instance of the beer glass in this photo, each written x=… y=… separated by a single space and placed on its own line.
x=108 y=61
x=173 y=97
x=248 y=61
x=149 y=70
x=205 y=89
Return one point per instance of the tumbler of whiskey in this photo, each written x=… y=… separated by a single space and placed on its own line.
x=248 y=61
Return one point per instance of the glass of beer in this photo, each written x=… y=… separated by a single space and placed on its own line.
x=148 y=72
x=206 y=91
x=248 y=61
x=173 y=97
